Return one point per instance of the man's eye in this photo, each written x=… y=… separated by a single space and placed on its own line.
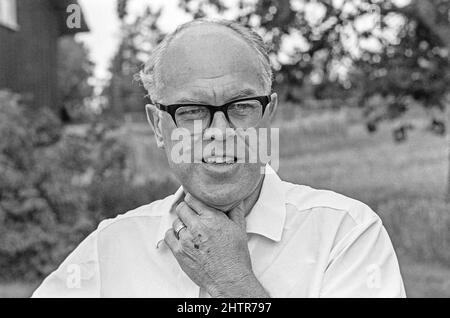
x=244 y=107
x=191 y=111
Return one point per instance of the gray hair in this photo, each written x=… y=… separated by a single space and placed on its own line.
x=151 y=78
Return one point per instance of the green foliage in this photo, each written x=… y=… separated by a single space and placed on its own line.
x=123 y=92
x=56 y=187
x=33 y=191
x=122 y=6
x=74 y=72
x=110 y=198
x=413 y=67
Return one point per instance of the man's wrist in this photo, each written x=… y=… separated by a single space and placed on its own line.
x=246 y=286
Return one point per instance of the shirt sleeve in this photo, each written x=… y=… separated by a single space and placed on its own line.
x=363 y=264
x=77 y=277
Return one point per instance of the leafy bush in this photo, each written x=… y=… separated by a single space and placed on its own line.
x=419 y=227
x=110 y=198
x=33 y=191
x=56 y=186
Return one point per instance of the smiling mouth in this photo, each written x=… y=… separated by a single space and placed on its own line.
x=220 y=160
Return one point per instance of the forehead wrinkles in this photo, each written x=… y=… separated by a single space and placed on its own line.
x=226 y=81
x=209 y=91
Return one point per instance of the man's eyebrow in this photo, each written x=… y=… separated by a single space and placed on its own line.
x=243 y=93
x=187 y=100
x=246 y=92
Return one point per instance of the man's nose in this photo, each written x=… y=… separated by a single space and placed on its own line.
x=219 y=127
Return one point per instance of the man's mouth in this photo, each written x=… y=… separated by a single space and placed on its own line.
x=219 y=160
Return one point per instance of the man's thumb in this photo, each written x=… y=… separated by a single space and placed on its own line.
x=237 y=215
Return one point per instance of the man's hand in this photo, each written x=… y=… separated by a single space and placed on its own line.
x=212 y=250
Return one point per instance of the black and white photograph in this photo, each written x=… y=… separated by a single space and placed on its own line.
x=230 y=149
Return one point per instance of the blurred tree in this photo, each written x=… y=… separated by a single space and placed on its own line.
x=138 y=37
x=412 y=69
x=122 y=9
x=413 y=66
x=56 y=185
x=40 y=209
x=308 y=39
x=74 y=71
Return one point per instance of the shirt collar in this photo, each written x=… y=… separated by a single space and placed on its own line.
x=266 y=218
x=268 y=215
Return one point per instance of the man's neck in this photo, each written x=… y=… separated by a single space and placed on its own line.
x=251 y=200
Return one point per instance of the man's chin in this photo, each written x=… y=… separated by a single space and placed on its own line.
x=221 y=187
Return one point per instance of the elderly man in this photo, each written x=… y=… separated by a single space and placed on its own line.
x=230 y=230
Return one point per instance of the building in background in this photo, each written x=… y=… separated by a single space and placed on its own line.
x=29 y=33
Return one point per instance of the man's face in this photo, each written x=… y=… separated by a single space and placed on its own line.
x=210 y=65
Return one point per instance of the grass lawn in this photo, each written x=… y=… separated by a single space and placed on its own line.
x=375 y=170
x=425 y=279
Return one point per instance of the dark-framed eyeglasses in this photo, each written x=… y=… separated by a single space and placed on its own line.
x=241 y=113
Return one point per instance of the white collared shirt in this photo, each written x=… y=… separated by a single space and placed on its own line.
x=303 y=243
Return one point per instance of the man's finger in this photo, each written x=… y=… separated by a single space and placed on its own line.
x=171 y=241
x=179 y=197
x=178 y=224
x=237 y=215
x=186 y=214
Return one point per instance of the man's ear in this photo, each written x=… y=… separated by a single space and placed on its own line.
x=154 y=119
x=272 y=109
